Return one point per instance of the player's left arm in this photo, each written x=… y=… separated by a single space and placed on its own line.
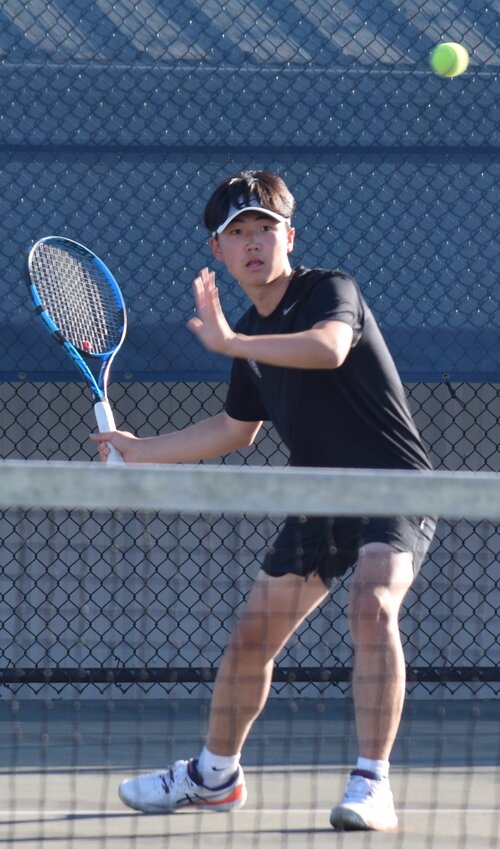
x=323 y=346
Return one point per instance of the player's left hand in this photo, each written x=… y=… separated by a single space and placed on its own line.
x=210 y=324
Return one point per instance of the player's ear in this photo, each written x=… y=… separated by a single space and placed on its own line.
x=214 y=244
x=290 y=240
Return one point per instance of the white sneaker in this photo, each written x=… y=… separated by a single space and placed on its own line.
x=367 y=805
x=180 y=786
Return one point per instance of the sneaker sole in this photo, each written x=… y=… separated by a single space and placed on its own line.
x=342 y=819
x=236 y=800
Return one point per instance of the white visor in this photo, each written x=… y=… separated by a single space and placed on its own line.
x=254 y=206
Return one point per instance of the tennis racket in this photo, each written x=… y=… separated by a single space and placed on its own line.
x=82 y=307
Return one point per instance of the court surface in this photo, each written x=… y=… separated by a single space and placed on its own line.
x=62 y=762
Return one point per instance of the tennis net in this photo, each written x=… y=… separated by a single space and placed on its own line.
x=119 y=588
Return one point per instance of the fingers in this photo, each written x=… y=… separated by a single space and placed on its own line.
x=209 y=324
x=103 y=449
x=203 y=287
x=102 y=440
x=207 y=277
x=199 y=293
x=104 y=452
x=206 y=296
x=101 y=437
x=125 y=443
x=194 y=325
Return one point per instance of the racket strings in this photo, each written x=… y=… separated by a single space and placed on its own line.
x=78 y=298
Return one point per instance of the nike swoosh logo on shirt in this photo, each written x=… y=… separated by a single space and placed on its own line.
x=286 y=310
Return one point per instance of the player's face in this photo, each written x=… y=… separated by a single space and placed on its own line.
x=255 y=248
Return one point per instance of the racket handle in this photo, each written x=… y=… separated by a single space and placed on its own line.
x=105 y=422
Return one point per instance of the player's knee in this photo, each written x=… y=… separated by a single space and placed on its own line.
x=253 y=635
x=373 y=611
x=247 y=635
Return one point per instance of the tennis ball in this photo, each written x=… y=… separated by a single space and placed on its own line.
x=449 y=59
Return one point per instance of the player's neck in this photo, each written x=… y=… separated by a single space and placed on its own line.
x=266 y=298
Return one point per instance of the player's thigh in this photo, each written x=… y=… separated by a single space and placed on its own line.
x=379 y=565
x=390 y=554
x=276 y=606
x=382 y=577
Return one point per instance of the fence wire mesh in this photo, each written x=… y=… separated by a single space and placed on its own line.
x=116 y=121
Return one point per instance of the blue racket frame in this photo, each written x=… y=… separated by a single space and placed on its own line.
x=97 y=385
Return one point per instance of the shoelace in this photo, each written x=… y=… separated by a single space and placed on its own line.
x=358 y=788
x=177 y=774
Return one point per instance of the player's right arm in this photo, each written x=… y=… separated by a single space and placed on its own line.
x=212 y=437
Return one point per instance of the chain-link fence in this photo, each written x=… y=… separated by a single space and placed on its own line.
x=117 y=120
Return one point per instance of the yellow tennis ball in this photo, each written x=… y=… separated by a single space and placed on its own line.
x=449 y=59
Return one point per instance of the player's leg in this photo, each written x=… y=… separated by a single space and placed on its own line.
x=274 y=609
x=381 y=581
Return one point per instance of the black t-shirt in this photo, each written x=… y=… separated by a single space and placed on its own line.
x=354 y=416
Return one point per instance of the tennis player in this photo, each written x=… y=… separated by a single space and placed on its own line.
x=308 y=356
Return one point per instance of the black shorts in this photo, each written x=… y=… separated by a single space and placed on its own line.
x=326 y=546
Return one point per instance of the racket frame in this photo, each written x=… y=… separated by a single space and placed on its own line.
x=98 y=386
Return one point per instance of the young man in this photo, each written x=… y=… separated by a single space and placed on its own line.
x=309 y=357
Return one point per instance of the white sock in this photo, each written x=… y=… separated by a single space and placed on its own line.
x=216 y=770
x=379 y=768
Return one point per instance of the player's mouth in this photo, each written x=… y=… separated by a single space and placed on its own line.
x=254 y=264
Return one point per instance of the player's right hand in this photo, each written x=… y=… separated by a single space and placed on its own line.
x=124 y=442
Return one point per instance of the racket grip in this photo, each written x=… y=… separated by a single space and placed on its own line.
x=105 y=422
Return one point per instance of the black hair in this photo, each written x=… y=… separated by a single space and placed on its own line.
x=237 y=190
